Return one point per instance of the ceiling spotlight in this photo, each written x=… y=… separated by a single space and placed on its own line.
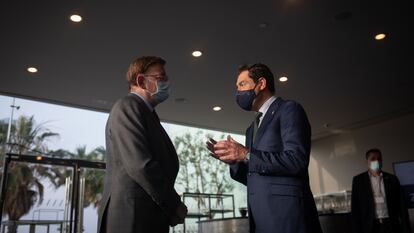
x=263 y=25
x=32 y=70
x=283 y=79
x=197 y=53
x=216 y=108
x=380 y=36
x=76 y=18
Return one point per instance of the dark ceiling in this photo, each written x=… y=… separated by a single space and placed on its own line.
x=342 y=76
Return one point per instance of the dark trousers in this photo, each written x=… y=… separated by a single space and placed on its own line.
x=382 y=226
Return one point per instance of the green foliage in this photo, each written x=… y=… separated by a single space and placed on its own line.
x=24 y=186
x=94 y=178
x=199 y=172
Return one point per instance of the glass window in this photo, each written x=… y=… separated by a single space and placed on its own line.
x=67 y=132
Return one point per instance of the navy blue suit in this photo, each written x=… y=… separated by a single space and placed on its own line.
x=279 y=196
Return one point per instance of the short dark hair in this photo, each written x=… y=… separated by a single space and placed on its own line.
x=257 y=71
x=139 y=66
x=373 y=150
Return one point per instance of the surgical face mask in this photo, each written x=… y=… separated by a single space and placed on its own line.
x=162 y=92
x=245 y=98
x=374 y=166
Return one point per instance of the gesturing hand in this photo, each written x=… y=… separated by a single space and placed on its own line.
x=229 y=151
x=210 y=146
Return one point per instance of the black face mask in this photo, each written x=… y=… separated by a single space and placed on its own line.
x=245 y=98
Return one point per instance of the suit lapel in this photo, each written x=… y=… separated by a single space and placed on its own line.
x=367 y=184
x=167 y=140
x=154 y=117
x=267 y=118
x=386 y=179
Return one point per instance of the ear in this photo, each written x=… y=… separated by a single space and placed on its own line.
x=140 y=81
x=263 y=83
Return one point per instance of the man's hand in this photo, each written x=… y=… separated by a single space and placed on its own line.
x=210 y=146
x=229 y=151
x=180 y=215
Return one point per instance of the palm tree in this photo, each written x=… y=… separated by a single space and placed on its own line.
x=24 y=186
x=94 y=178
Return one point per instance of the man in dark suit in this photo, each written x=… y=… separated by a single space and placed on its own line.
x=142 y=164
x=274 y=163
x=377 y=200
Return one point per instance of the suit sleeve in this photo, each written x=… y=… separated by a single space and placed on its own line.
x=296 y=136
x=355 y=207
x=129 y=135
x=238 y=172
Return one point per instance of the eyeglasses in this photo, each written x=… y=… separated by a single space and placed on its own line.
x=162 y=78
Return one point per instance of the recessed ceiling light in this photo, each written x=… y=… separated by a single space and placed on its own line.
x=32 y=69
x=380 y=36
x=216 y=108
x=263 y=25
x=283 y=79
x=197 y=53
x=76 y=18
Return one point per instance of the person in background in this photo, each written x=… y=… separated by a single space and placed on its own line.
x=377 y=204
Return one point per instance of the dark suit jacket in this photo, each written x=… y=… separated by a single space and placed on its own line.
x=279 y=196
x=363 y=205
x=141 y=168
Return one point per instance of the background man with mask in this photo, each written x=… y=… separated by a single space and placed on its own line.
x=274 y=163
x=142 y=164
x=377 y=200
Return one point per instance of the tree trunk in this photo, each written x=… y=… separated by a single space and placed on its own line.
x=12 y=228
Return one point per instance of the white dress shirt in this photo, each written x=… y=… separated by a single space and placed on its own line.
x=263 y=109
x=378 y=191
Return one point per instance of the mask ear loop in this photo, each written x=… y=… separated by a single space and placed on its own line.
x=137 y=80
x=156 y=86
x=255 y=85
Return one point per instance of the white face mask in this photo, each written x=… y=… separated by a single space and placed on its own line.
x=374 y=166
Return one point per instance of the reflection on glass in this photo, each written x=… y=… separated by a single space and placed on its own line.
x=37 y=197
x=91 y=188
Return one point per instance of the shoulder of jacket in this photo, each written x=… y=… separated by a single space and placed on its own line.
x=386 y=174
x=360 y=175
x=128 y=103
x=289 y=104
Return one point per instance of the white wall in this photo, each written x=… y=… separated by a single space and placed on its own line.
x=336 y=159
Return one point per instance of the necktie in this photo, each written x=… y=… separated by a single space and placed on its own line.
x=256 y=124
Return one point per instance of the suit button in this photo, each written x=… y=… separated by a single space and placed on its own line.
x=249 y=174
